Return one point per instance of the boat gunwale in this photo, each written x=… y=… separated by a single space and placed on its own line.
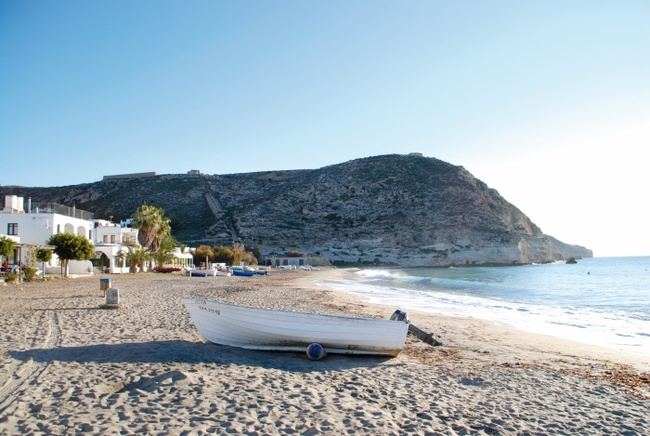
x=293 y=312
x=366 y=336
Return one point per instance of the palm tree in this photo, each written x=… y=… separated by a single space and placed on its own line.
x=136 y=258
x=152 y=224
x=165 y=250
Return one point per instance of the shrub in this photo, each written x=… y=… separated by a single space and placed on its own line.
x=223 y=254
x=201 y=252
x=29 y=273
x=167 y=269
x=249 y=258
x=11 y=277
x=233 y=255
x=7 y=246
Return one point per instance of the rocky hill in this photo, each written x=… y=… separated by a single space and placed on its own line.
x=396 y=209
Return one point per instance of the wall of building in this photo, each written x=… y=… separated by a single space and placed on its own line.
x=37 y=228
x=130 y=176
x=277 y=261
x=114 y=235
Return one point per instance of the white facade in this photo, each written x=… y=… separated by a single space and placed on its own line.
x=106 y=232
x=182 y=258
x=278 y=261
x=36 y=227
x=16 y=239
x=112 y=243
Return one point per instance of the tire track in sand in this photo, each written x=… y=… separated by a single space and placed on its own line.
x=28 y=372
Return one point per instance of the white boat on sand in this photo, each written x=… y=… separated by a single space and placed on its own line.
x=266 y=329
x=208 y=273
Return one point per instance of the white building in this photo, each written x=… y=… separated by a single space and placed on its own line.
x=112 y=244
x=182 y=258
x=278 y=261
x=35 y=225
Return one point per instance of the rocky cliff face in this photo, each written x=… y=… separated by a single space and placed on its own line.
x=393 y=209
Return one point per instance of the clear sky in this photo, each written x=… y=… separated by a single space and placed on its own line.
x=547 y=102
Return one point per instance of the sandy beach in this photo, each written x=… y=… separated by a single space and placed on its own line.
x=69 y=367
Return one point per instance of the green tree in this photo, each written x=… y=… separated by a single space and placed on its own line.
x=7 y=247
x=68 y=246
x=137 y=258
x=164 y=252
x=43 y=255
x=152 y=224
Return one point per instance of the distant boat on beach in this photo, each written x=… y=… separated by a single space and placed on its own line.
x=203 y=272
x=208 y=273
x=278 y=330
x=243 y=273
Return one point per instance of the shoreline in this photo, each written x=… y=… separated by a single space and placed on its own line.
x=545 y=346
x=68 y=367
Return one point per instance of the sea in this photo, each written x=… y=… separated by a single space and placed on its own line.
x=603 y=301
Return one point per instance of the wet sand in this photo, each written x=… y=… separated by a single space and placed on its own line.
x=67 y=367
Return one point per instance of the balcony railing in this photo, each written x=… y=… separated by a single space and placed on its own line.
x=63 y=210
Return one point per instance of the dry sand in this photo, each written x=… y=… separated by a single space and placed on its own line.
x=68 y=367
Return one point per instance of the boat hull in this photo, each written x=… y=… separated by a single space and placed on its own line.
x=241 y=273
x=202 y=273
x=265 y=329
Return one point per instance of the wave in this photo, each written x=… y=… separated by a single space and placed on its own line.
x=379 y=273
x=438 y=283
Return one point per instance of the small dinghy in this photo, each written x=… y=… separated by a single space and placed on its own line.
x=209 y=273
x=203 y=272
x=243 y=273
x=279 y=330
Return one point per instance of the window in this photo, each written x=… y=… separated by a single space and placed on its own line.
x=112 y=239
x=12 y=229
x=105 y=239
x=58 y=228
